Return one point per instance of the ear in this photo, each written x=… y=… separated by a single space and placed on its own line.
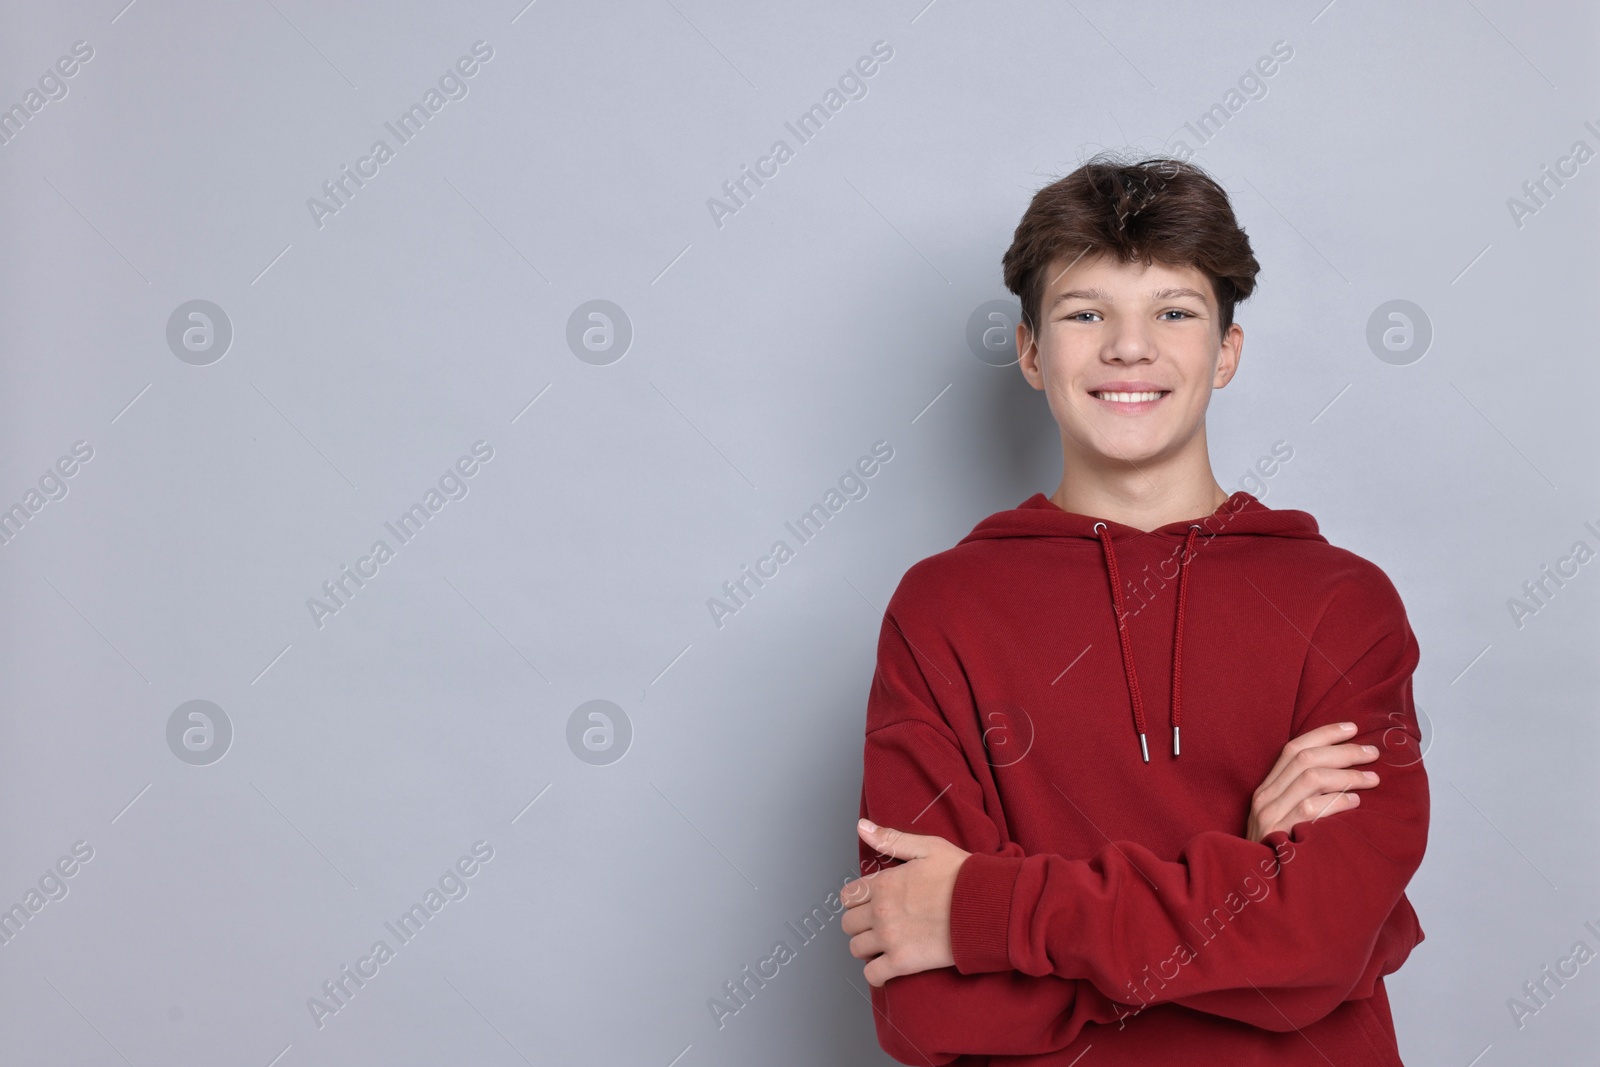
x=1028 y=356
x=1228 y=356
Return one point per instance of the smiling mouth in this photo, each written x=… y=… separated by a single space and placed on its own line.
x=1131 y=398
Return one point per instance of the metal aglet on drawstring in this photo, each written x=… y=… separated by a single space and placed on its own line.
x=1174 y=740
x=1143 y=747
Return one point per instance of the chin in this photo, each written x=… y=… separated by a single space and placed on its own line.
x=1139 y=459
x=1118 y=440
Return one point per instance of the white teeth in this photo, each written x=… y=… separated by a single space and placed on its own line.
x=1129 y=398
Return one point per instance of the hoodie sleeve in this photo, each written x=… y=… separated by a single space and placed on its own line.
x=912 y=759
x=1274 y=933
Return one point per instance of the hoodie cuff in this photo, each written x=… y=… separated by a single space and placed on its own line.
x=980 y=913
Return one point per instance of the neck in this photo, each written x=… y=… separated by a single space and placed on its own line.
x=1141 y=498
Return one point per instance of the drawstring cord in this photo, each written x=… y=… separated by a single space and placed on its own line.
x=1122 y=635
x=1124 y=638
x=1177 y=637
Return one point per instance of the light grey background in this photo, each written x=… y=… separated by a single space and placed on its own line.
x=768 y=354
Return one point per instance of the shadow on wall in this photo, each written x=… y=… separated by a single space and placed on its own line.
x=1018 y=441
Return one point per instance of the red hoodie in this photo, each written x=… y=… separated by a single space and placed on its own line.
x=1111 y=900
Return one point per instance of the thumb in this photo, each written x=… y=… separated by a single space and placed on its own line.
x=890 y=842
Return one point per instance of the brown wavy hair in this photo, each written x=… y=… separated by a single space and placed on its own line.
x=1157 y=209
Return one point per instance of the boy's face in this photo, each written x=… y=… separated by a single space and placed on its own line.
x=1109 y=329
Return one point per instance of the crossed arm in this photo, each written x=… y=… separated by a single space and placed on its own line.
x=906 y=928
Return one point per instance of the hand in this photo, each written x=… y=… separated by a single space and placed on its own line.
x=1311 y=779
x=899 y=917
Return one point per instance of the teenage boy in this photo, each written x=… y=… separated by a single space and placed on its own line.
x=1109 y=754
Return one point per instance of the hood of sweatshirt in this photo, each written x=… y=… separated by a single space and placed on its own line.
x=1240 y=516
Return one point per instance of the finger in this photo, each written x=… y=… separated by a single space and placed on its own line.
x=1313 y=808
x=866 y=945
x=1315 y=763
x=1309 y=809
x=855 y=920
x=1298 y=763
x=891 y=842
x=856 y=892
x=879 y=971
x=1319 y=781
x=1322 y=736
x=1345 y=755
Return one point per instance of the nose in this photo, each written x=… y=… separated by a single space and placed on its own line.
x=1128 y=343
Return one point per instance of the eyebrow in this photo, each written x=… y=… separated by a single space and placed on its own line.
x=1095 y=294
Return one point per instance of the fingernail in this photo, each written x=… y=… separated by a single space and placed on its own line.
x=1369 y=776
x=1371 y=750
x=1347 y=726
x=869 y=826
